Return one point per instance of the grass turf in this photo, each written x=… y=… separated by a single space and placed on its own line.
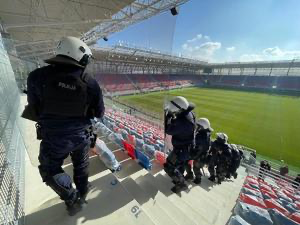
x=270 y=124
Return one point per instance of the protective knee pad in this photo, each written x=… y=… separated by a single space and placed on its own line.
x=62 y=184
x=178 y=176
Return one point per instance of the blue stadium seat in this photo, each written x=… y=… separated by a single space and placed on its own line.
x=143 y=160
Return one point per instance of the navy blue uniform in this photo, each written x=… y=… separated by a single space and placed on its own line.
x=199 y=154
x=218 y=160
x=235 y=161
x=65 y=102
x=182 y=130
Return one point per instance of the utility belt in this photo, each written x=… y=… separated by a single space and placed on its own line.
x=40 y=131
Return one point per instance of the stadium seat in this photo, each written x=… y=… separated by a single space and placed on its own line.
x=143 y=160
x=149 y=150
x=295 y=217
x=160 y=157
x=248 y=186
x=272 y=204
x=269 y=193
x=253 y=214
x=252 y=200
x=251 y=180
x=130 y=149
x=237 y=220
x=280 y=194
x=280 y=218
x=253 y=192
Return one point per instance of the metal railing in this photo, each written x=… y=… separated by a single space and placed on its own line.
x=275 y=164
x=272 y=176
x=12 y=148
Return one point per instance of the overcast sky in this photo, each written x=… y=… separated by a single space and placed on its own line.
x=222 y=30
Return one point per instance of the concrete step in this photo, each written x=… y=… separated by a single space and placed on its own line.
x=217 y=199
x=108 y=203
x=147 y=184
x=181 y=216
x=165 y=185
x=150 y=206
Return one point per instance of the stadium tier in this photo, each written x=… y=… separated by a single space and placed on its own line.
x=115 y=82
x=147 y=82
x=261 y=202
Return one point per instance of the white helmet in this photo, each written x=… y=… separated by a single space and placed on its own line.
x=222 y=137
x=71 y=50
x=177 y=104
x=205 y=124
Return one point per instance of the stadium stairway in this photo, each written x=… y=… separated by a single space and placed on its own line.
x=133 y=83
x=132 y=196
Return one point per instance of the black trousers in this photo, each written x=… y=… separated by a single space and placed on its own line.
x=197 y=165
x=175 y=165
x=51 y=158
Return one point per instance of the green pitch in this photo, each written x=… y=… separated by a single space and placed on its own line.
x=270 y=124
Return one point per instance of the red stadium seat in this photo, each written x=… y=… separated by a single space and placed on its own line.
x=289 y=194
x=295 y=217
x=272 y=204
x=160 y=157
x=252 y=200
x=252 y=181
x=130 y=150
x=272 y=194
x=267 y=189
x=246 y=185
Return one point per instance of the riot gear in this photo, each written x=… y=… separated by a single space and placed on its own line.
x=180 y=124
x=200 y=150
x=64 y=99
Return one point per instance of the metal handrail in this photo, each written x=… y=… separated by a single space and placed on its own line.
x=270 y=174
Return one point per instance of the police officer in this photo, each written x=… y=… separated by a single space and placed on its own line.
x=200 y=150
x=219 y=158
x=236 y=157
x=180 y=124
x=65 y=99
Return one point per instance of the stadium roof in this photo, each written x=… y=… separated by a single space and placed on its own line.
x=258 y=64
x=140 y=59
x=145 y=57
x=36 y=26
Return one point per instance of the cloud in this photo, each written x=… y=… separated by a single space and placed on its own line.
x=274 y=53
x=198 y=37
x=230 y=49
x=199 y=47
x=251 y=57
x=278 y=53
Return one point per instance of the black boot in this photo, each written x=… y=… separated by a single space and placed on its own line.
x=189 y=176
x=197 y=180
x=212 y=178
x=235 y=175
x=75 y=204
x=179 y=187
x=220 y=179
